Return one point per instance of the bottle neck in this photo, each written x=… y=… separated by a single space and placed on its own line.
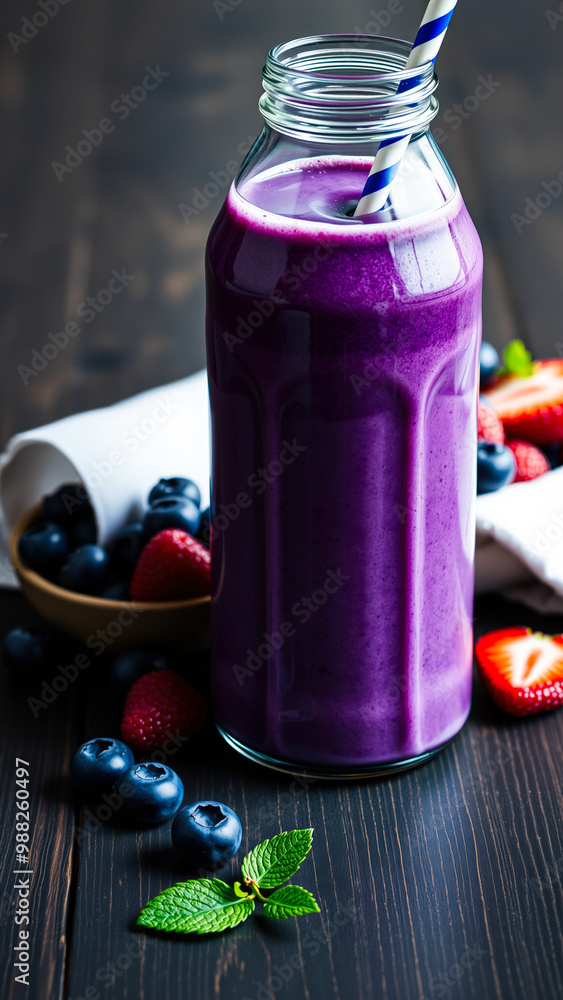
x=323 y=183
x=343 y=90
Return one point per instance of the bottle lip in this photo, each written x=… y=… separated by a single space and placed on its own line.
x=343 y=88
x=295 y=55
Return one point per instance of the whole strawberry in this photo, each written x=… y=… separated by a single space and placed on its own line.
x=173 y=566
x=530 y=461
x=161 y=705
x=489 y=427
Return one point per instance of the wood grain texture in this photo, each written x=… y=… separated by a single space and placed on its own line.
x=445 y=877
x=443 y=882
x=45 y=736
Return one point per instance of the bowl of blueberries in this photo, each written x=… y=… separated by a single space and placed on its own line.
x=121 y=593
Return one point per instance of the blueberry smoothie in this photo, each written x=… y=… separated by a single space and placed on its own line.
x=342 y=360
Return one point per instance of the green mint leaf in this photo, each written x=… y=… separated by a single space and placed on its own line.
x=518 y=360
x=289 y=901
x=200 y=906
x=274 y=861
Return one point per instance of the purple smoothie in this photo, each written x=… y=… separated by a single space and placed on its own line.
x=343 y=361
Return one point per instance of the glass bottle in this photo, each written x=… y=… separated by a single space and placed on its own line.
x=343 y=375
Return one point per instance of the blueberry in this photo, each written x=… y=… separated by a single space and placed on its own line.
x=175 y=512
x=206 y=834
x=27 y=650
x=496 y=466
x=68 y=502
x=131 y=664
x=97 y=764
x=83 y=531
x=204 y=530
x=126 y=549
x=43 y=547
x=86 y=570
x=117 y=590
x=151 y=792
x=489 y=363
x=175 y=488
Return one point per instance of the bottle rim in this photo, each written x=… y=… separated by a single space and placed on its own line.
x=344 y=88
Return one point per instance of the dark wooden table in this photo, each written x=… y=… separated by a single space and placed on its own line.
x=445 y=881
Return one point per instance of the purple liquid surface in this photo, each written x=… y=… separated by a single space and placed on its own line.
x=342 y=365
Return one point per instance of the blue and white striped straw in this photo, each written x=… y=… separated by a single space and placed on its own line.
x=391 y=151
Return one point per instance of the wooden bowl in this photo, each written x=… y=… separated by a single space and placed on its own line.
x=183 y=626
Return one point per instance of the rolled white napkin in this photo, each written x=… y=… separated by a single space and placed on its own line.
x=520 y=542
x=118 y=452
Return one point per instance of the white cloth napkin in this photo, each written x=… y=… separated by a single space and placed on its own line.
x=520 y=542
x=118 y=452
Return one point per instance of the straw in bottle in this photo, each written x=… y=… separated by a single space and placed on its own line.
x=391 y=151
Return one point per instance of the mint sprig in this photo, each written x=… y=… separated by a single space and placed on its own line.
x=275 y=860
x=517 y=360
x=207 y=905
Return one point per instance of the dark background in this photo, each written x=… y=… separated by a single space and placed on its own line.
x=455 y=866
x=119 y=207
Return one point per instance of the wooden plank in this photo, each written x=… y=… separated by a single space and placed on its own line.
x=45 y=736
x=450 y=871
x=429 y=877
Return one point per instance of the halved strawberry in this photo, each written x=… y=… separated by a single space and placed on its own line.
x=531 y=407
x=522 y=670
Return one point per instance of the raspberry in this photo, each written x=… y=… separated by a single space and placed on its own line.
x=173 y=566
x=530 y=461
x=160 y=705
x=489 y=427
